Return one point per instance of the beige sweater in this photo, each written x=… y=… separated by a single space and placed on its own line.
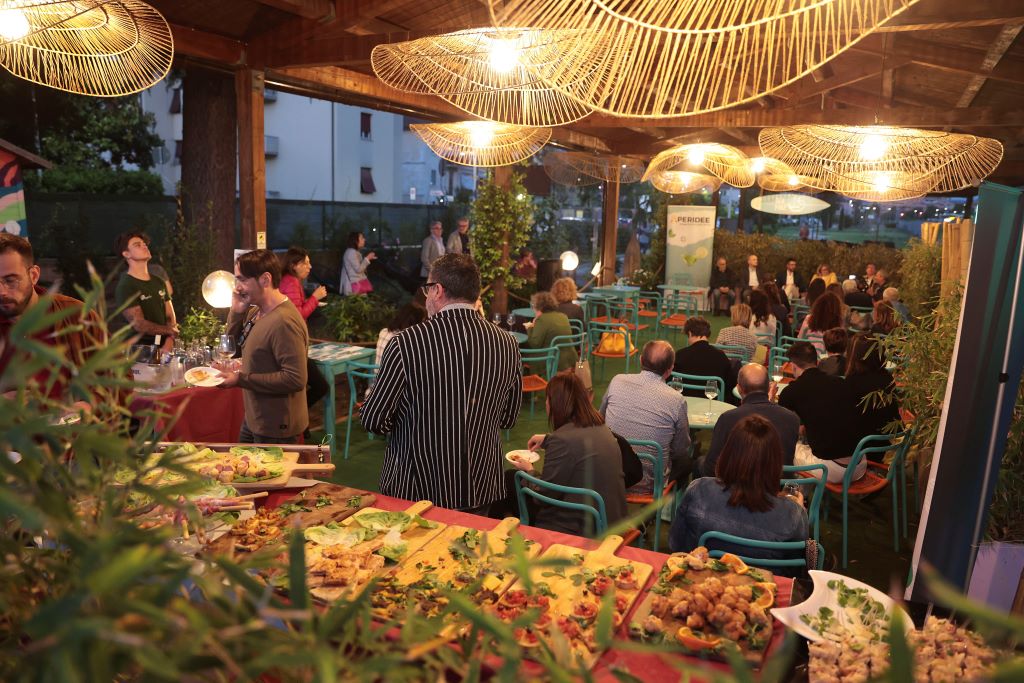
x=273 y=374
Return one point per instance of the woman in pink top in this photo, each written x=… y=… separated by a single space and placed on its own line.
x=295 y=269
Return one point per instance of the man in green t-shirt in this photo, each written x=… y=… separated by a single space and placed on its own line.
x=149 y=310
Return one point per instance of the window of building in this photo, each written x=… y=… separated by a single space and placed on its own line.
x=366 y=185
x=364 y=125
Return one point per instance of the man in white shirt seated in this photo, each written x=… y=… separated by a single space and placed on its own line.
x=751 y=278
x=644 y=407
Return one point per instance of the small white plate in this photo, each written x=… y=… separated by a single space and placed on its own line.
x=823 y=596
x=527 y=456
x=204 y=376
x=321 y=303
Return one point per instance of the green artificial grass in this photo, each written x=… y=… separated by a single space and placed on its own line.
x=872 y=558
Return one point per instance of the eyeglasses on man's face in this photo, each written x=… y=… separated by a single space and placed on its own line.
x=427 y=287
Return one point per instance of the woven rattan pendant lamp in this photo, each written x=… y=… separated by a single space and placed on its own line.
x=683 y=182
x=582 y=168
x=482 y=143
x=725 y=162
x=489 y=72
x=854 y=159
x=103 y=48
x=690 y=56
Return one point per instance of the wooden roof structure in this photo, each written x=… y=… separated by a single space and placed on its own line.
x=944 y=64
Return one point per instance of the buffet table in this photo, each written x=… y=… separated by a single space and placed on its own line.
x=205 y=414
x=646 y=666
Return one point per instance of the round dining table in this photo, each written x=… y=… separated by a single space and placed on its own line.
x=698 y=409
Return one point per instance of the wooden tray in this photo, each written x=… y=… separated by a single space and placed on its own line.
x=436 y=558
x=290 y=466
x=565 y=592
x=415 y=537
x=338 y=510
x=687 y=582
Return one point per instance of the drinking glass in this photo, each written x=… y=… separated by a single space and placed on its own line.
x=225 y=348
x=711 y=391
x=792 y=491
x=497 y=319
x=511 y=320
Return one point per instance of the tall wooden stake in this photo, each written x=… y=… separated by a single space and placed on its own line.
x=609 y=232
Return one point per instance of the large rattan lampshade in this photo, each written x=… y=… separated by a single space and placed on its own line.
x=725 y=162
x=582 y=168
x=482 y=143
x=488 y=72
x=849 y=159
x=683 y=182
x=688 y=56
x=104 y=48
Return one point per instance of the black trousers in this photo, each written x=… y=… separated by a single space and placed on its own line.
x=316 y=385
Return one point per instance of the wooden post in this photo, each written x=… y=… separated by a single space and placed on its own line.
x=502 y=179
x=252 y=168
x=610 y=227
x=739 y=214
x=208 y=157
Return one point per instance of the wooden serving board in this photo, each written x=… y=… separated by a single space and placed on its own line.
x=290 y=466
x=573 y=587
x=482 y=569
x=674 y=585
x=415 y=537
x=345 y=502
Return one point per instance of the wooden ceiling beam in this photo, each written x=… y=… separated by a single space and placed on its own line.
x=859 y=70
x=325 y=47
x=352 y=87
x=946 y=57
x=995 y=53
x=190 y=42
x=310 y=9
x=933 y=16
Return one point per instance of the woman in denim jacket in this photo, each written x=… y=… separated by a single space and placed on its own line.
x=743 y=498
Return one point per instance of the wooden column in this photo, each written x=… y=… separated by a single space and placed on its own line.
x=609 y=232
x=503 y=179
x=208 y=157
x=252 y=168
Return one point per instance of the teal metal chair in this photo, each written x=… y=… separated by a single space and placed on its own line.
x=776 y=359
x=785 y=342
x=651 y=304
x=543 y=365
x=793 y=546
x=657 y=462
x=765 y=338
x=626 y=310
x=681 y=381
x=800 y=312
x=594 y=333
x=812 y=476
x=576 y=326
x=876 y=478
x=676 y=310
x=577 y=341
x=596 y=512
x=740 y=353
x=597 y=308
x=356 y=371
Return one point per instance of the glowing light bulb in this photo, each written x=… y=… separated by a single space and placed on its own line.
x=873 y=148
x=695 y=156
x=504 y=55
x=13 y=25
x=481 y=133
x=793 y=181
x=757 y=164
x=570 y=260
x=881 y=183
x=218 y=287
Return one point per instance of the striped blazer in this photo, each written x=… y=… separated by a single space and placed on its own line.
x=444 y=391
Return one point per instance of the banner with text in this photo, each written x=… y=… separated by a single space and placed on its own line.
x=12 y=196
x=691 y=235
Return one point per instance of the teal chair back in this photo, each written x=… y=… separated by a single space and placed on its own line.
x=356 y=371
x=596 y=511
x=776 y=359
x=817 y=494
x=785 y=342
x=596 y=305
x=800 y=311
x=740 y=353
x=765 y=338
x=656 y=459
x=575 y=341
x=681 y=381
x=792 y=546
x=576 y=326
x=543 y=362
x=677 y=303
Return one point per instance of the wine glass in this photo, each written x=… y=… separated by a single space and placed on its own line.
x=225 y=348
x=711 y=391
x=497 y=319
x=511 y=320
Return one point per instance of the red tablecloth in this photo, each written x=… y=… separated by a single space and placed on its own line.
x=647 y=667
x=208 y=414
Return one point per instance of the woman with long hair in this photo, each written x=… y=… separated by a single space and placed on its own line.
x=884 y=319
x=742 y=498
x=779 y=308
x=826 y=313
x=295 y=268
x=580 y=451
x=763 y=320
x=866 y=374
x=354 y=265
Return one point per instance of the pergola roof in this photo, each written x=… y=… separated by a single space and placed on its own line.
x=941 y=64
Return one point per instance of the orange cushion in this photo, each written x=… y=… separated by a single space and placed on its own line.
x=534 y=383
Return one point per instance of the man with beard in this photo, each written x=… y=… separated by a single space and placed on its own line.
x=273 y=339
x=445 y=390
x=19 y=292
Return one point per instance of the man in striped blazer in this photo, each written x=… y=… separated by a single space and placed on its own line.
x=444 y=391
